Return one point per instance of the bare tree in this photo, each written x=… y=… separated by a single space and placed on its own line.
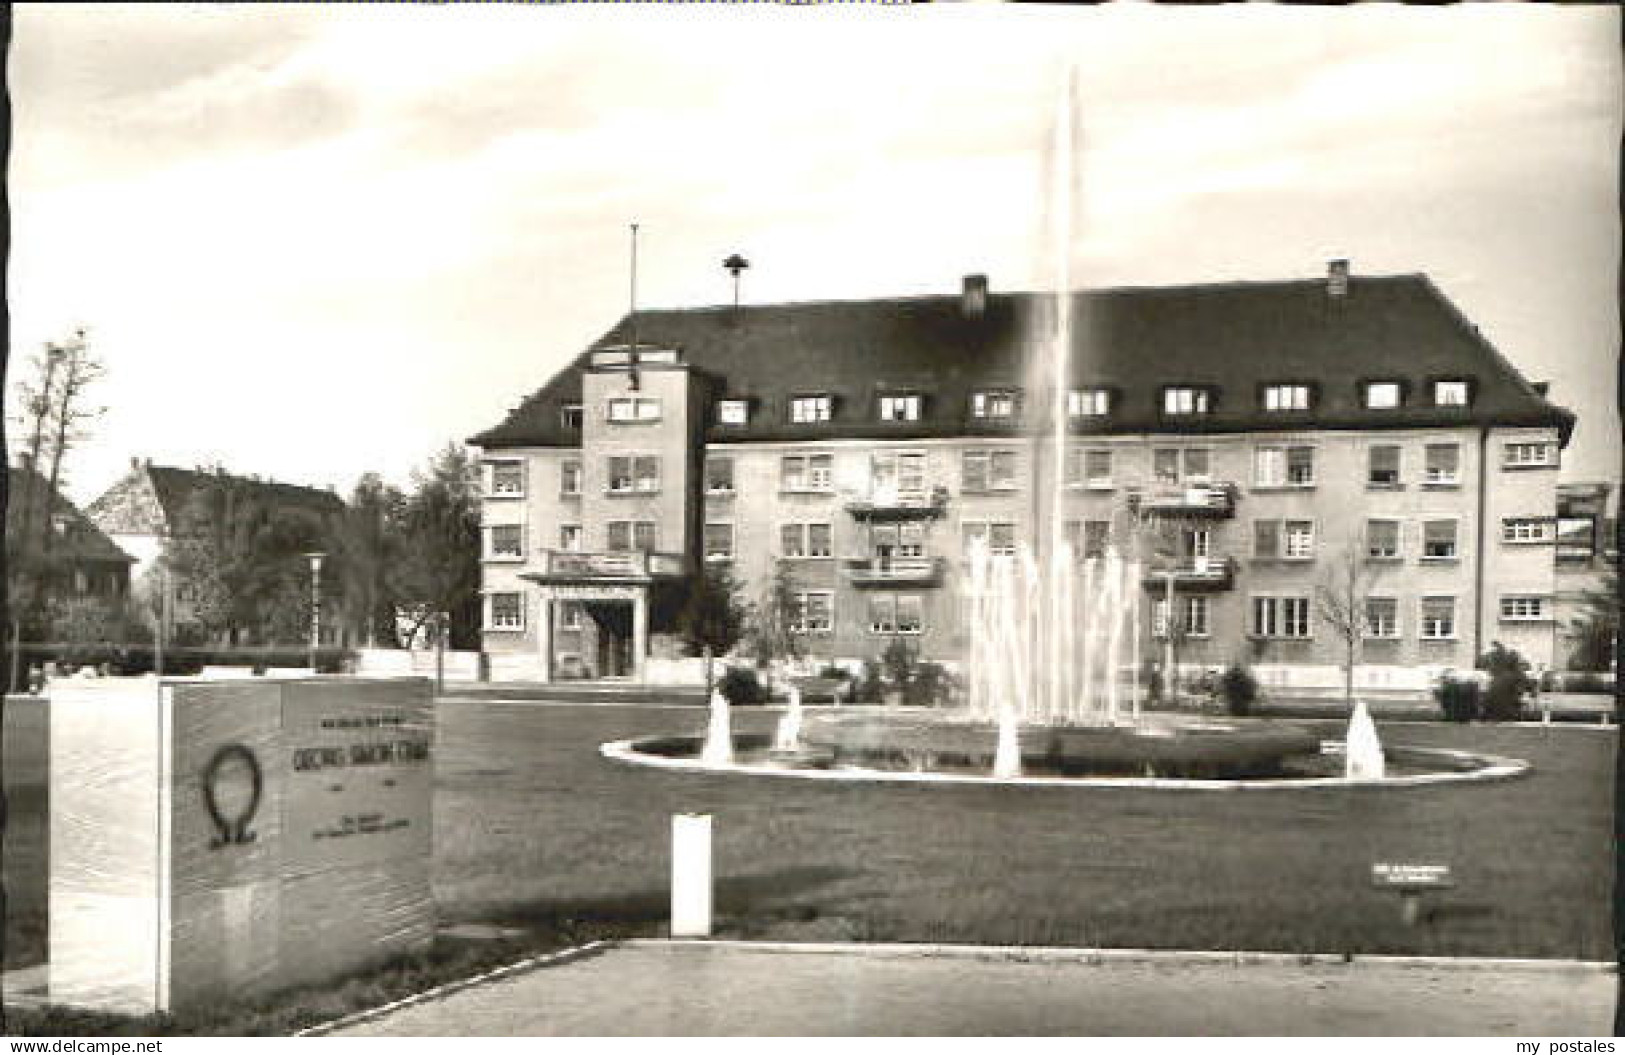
x=1342 y=598
x=79 y=369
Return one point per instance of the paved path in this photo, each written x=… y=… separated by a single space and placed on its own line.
x=677 y=989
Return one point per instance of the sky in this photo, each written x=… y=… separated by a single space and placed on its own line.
x=312 y=241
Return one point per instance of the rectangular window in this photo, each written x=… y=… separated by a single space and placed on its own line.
x=1382 y=395
x=1286 y=617
x=1196 y=542
x=1095 y=535
x=1439 y=540
x=1382 y=539
x=1443 y=463
x=505 y=611
x=733 y=412
x=900 y=408
x=897 y=540
x=1000 y=538
x=1527 y=529
x=719 y=475
x=634 y=473
x=506 y=541
x=1523 y=455
x=1165 y=465
x=1381 y=617
x=569 y=615
x=570 y=478
x=1284 y=467
x=570 y=417
x=1266 y=538
x=810 y=409
x=508 y=478
x=634 y=408
x=1196 y=615
x=814 y=612
x=1097 y=468
x=719 y=542
x=570 y=538
x=627 y=535
x=1300 y=539
x=1185 y=400
x=818 y=540
x=1383 y=465
x=1450 y=393
x=805 y=540
x=1089 y=402
x=988 y=471
x=1438 y=618
x=805 y=472
x=994 y=403
x=902 y=613
x=1286 y=397
x=891 y=472
x=1529 y=608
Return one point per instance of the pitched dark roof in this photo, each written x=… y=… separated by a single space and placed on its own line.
x=175 y=487
x=31 y=501
x=1235 y=337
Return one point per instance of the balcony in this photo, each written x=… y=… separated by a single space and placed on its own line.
x=1212 y=500
x=1194 y=574
x=890 y=503
x=633 y=566
x=872 y=572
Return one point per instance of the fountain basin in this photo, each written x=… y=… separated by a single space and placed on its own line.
x=1168 y=752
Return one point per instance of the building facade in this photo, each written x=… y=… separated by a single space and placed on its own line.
x=1253 y=444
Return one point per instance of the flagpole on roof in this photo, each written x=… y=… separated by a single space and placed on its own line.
x=632 y=315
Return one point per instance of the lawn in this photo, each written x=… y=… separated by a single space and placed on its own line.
x=535 y=830
x=534 y=826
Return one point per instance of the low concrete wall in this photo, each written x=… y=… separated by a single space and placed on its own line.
x=416 y=662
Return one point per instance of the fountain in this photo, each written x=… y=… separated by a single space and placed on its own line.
x=787 y=738
x=1051 y=663
x=719 y=749
x=1362 y=751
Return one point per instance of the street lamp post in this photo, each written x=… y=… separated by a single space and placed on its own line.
x=315 y=605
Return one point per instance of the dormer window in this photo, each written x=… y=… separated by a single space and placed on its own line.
x=1186 y=399
x=1383 y=395
x=993 y=403
x=900 y=408
x=734 y=412
x=1450 y=393
x=570 y=416
x=810 y=409
x=1286 y=397
x=634 y=408
x=1089 y=402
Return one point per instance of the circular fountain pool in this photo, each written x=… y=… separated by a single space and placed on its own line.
x=1162 y=751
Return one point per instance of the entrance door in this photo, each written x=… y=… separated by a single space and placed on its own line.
x=614 y=619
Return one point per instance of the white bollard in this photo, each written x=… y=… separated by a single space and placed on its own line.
x=691 y=875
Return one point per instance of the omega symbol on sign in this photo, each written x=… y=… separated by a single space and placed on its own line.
x=231 y=792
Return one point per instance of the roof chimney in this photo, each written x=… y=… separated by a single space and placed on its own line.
x=1337 y=278
x=973 y=296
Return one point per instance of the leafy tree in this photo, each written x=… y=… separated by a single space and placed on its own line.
x=435 y=573
x=773 y=637
x=1596 y=628
x=365 y=544
x=1509 y=682
x=713 y=617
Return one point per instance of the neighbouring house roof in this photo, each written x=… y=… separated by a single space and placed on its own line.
x=150 y=499
x=1235 y=337
x=74 y=536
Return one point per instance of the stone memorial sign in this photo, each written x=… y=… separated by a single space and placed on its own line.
x=225 y=839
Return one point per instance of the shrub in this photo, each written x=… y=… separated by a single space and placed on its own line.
x=1239 y=689
x=740 y=687
x=1460 y=699
x=834 y=672
x=933 y=685
x=1509 y=683
x=870 y=686
x=899 y=663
